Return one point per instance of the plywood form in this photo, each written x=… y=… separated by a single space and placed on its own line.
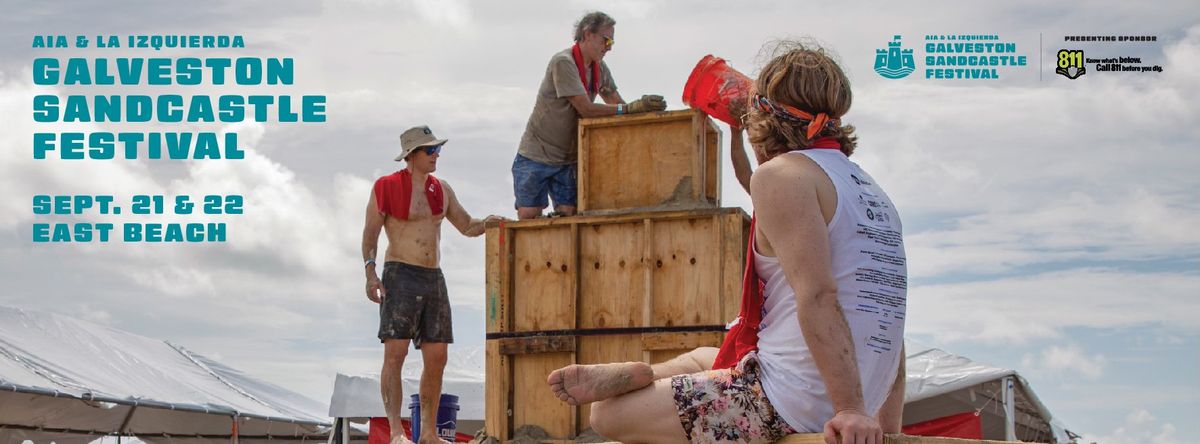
x=649 y=161
x=583 y=290
x=543 y=279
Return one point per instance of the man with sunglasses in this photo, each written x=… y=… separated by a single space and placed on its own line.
x=409 y=206
x=545 y=163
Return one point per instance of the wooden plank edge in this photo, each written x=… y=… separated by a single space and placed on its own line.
x=632 y=119
x=622 y=216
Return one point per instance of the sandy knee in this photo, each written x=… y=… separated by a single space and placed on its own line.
x=602 y=419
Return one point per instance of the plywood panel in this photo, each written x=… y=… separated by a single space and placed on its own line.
x=495 y=283
x=533 y=401
x=735 y=230
x=567 y=273
x=712 y=162
x=497 y=392
x=638 y=166
x=611 y=275
x=687 y=273
x=681 y=341
x=655 y=160
x=543 y=284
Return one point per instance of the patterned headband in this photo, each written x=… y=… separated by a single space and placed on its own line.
x=791 y=113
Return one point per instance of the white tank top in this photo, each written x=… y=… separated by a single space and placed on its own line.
x=870 y=268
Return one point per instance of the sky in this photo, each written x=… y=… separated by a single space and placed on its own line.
x=1050 y=223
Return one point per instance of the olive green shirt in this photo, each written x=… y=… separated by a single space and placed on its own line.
x=551 y=135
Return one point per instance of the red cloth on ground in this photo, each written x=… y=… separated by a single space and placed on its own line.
x=393 y=194
x=381 y=432
x=742 y=338
x=963 y=425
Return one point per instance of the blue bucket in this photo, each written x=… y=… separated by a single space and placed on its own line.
x=447 y=417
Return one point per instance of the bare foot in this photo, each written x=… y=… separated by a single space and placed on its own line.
x=581 y=384
x=431 y=439
x=400 y=439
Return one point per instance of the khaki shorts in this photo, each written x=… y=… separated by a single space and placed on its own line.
x=727 y=405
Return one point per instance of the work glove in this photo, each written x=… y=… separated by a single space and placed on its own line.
x=647 y=103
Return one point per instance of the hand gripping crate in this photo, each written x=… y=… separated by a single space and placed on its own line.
x=597 y=289
x=653 y=161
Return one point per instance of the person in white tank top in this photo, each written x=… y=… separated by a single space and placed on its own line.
x=829 y=249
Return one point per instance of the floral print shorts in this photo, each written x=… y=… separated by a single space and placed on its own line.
x=727 y=405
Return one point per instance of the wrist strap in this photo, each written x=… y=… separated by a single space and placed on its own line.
x=369 y=263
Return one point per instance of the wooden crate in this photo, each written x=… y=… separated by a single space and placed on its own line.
x=596 y=289
x=652 y=161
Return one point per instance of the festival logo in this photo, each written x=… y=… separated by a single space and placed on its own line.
x=1070 y=63
x=894 y=62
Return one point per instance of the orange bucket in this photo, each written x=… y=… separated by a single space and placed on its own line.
x=717 y=89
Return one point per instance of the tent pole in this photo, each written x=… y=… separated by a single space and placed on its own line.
x=125 y=423
x=233 y=436
x=346 y=432
x=1010 y=413
x=335 y=432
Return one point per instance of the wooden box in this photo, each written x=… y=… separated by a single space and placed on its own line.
x=652 y=161
x=597 y=289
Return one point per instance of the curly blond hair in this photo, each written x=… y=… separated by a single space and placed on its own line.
x=805 y=76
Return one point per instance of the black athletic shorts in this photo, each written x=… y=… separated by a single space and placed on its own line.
x=415 y=306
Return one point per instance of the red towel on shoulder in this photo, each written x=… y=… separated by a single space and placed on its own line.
x=393 y=194
x=742 y=337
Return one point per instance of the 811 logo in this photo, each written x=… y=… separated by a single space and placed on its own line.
x=1070 y=63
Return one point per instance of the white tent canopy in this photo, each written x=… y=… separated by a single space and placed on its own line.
x=357 y=397
x=940 y=384
x=70 y=381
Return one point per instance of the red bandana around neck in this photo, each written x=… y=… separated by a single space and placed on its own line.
x=826 y=143
x=742 y=337
x=577 y=54
x=393 y=194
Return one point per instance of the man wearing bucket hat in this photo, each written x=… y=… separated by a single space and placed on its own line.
x=409 y=206
x=545 y=163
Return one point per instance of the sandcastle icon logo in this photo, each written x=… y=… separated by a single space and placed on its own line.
x=894 y=62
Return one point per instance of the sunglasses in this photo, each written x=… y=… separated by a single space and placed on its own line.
x=608 y=41
x=433 y=149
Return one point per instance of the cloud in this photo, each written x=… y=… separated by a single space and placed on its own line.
x=999 y=185
x=455 y=13
x=1068 y=359
x=1079 y=227
x=1139 y=427
x=1040 y=306
x=1062 y=173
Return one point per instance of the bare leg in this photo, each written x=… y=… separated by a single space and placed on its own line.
x=565 y=210
x=645 y=415
x=581 y=384
x=695 y=361
x=433 y=356
x=394 y=352
x=528 y=213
